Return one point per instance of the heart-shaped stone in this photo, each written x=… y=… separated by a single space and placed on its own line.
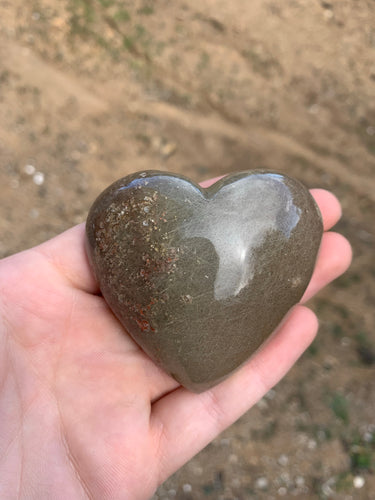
x=201 y=277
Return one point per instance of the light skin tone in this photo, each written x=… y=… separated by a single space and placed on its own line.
x=84 y=413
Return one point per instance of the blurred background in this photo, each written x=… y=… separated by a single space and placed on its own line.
x=91 y=90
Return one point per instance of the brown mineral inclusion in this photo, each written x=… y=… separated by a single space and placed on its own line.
x=201 y=277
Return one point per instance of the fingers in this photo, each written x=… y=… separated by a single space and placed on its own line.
x=190 y=421
x=329 y=207
x=334 y=258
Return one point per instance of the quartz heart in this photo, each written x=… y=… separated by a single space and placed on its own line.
x=201 y=277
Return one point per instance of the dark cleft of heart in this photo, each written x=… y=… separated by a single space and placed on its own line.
x=200 y=278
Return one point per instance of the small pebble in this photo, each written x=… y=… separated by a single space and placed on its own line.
x=261 y=483
x=358 y=482
x=300 y=481
x=187 y=488
x=271 y=394
x=38 y=178
x=326 y=487
x=368 y=437
x=311 y=444
x=262 y=404
x=283 y=460
x=302 y=439
x=168 y=149
x=282 y=491
x=172 y=492
x=29 y=169
x=285 y=477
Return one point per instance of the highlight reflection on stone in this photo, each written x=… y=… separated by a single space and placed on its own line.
x=201 y=277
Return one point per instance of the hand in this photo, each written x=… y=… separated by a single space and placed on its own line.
x=84 y=412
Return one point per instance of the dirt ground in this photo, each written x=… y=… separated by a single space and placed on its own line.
x=93 y=90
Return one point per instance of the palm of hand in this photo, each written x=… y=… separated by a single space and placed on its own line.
x=84 y=412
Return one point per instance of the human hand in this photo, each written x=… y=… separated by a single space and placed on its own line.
x=84 y=412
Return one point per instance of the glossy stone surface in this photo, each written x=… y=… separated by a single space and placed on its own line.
x=201 y=277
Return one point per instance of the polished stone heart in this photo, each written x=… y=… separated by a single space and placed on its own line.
x=201 y=277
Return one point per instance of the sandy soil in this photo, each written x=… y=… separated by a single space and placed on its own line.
x=91 y=90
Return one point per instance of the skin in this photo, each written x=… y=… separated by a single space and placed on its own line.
x=84 y=412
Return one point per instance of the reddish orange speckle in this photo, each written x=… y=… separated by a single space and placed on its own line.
x=144 y=325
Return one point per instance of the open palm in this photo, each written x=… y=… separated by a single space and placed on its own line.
x=84 y=413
